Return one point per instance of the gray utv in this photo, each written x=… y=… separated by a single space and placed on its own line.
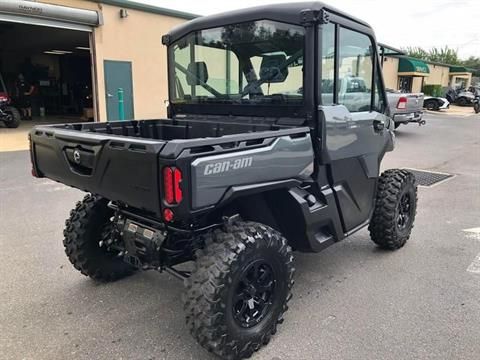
x=265 y=151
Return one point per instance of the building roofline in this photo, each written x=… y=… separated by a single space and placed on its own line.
x=426 y=61
x=148 y=8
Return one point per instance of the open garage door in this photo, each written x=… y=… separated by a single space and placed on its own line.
x=46 y=60
x=34 y=13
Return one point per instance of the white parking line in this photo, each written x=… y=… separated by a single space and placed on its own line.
x=475 y=265
x=473 y=233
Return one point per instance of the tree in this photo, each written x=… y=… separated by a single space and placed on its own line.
x=416 y=52
x=444 y=55
x=473 y=62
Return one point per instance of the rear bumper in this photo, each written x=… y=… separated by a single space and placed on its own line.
x=416 y=117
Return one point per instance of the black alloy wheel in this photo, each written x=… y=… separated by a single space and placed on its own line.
x=404 y=212
x=254 y=294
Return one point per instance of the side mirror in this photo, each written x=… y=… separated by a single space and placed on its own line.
x=197 y=73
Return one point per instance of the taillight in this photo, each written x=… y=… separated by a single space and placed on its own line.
x=402 y=103
x=177 y=178
x=168 y=215
x=168 y=185
x=172 y=177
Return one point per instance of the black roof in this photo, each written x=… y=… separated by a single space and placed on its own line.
x=287 y=12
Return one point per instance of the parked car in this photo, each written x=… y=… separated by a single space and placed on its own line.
x=405 y=107
x=9 y=115
x=461 y=96
x=435 y=103
x=237 y=176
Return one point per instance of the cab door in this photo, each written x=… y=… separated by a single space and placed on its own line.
x=351 y=110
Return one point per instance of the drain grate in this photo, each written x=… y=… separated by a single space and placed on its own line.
x=429 y=178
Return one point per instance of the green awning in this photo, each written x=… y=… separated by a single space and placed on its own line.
x=411 y=65
x=458 y=69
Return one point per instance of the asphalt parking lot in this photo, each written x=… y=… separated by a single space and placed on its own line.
x=352 y=301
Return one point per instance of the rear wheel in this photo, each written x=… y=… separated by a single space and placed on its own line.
x=239 y=290
x=89 y=223
x=395 y=209
x=15 y=117
x=431 y=105
x=462 y=101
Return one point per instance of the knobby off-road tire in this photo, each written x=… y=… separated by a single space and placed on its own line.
x=15 y=121
x=395 y=209
x=236 y=261
x=89 y=223
x=476 y=108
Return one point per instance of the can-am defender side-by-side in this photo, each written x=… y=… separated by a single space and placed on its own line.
x=266 y=150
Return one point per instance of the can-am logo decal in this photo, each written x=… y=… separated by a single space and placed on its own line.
x=227 y=165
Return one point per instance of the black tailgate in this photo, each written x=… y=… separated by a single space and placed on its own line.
x=118 y=168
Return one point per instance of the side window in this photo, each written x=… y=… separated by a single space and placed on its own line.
x=354 y=81
x=328 y=63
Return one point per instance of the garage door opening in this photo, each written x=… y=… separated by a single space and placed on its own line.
x=55 y=64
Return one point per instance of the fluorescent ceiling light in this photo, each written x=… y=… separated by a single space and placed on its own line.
x=62 y=51
x=82 y=48
x=53 y=53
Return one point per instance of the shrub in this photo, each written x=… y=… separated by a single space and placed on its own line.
x=432 y=90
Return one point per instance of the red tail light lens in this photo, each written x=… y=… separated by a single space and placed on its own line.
x=402 y=103
x=177 y=178
x=168 y=215
x=172 y=178
x=168 y=185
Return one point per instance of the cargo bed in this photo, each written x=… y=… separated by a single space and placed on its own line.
x=122 y=160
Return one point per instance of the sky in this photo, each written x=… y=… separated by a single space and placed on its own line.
x=424 y=23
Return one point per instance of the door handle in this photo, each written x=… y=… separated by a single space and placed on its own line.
x=379 y=125
x=109 y=95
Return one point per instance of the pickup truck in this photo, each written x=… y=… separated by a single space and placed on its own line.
x=252 y=163
x=406 y=107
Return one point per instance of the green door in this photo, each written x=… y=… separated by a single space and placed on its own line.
x=118 y=74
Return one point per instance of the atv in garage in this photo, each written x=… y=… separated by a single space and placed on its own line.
x=9 y=115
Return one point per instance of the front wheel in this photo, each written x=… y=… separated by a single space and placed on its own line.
x=476 y=108
x=239 y=289
x=14 y=117
x=395 y=209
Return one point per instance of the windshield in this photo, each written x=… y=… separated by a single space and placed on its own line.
x=247 y=63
